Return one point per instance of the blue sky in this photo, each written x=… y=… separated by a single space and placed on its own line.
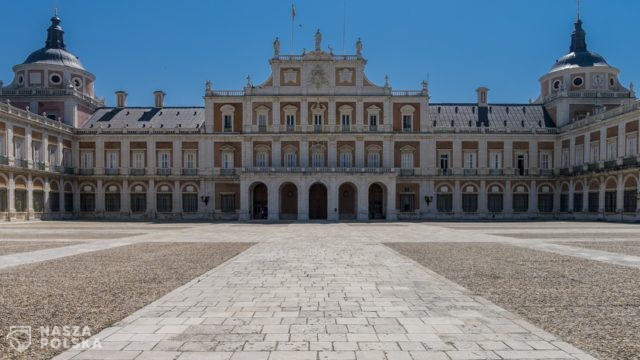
x=143 y=45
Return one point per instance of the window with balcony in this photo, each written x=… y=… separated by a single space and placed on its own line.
x=164 y=160
x=594 y=152
x=444 y=163
x=19 y=148
x=262 y=158
x=228 y=123
x=113 y=160
x=612 y=149
x=227 y=160
x=545 y=161
x=290 y=120
x=345 y=117
x=632 y=145
x=565 y=158
x=290 y=159
x=495 y=160
x=345 y=159
x=406 y=160
x=318 y=110
x=227 y=117
x=521 y=164
x=317 y=157
x=373 y=159
x=86 y=160
x=579 y=155
x=373 y=122
x=469 y=160
x=406 y=113
x=37 y=152
x=190 y=160
x=262 y=122
x=2 y=145
x=53 y=155
x=373 y=113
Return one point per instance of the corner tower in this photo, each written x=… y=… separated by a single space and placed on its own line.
x=52 y=82
x=581 y=83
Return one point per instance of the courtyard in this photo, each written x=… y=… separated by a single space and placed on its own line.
x=321 y=291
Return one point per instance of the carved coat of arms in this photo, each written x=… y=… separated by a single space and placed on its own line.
x=318 y=77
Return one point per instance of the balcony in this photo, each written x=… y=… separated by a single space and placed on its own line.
x=346 y=128
x=85 y=172
x=227 y=129
x=290 y=128
x=445 y=172
x=39 y=165
x=407 y=172
x=593 y=167
x=69 y=170
x=546 y=172
x=521 y=172
x=137 y=172
x=56 y=168
x=227 y=172
x=495 y=172
x=4 y=160
x=317 y=128
x=626 y=162
x=470 y=172
x=111 y=172
x=373 y=127
x=22 y=163
x=262 y=128
x=189 y=172
x=611 y=164
x=163 y=172
x=565 y=172
x=578 y=169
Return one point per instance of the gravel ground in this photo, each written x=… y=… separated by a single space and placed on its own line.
x=574 y=235
x=73 y=235
x=14 y=247
x=98 y=289
x=621 y=247
x=594 y=305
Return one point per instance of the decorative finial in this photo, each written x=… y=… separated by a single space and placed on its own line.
x=425 y=85
x=578 y=10
x=330 y=50
x=249 y=81
x=318 y=38
x=386 y=81
x=208 y=85
x=359 y=48
x=276 y=47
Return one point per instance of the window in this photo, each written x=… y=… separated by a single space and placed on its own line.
x=495 y=203
x=406 y=160
x=578 y=203
x=38 y=200
x=19 y=148
x=87 y=202
x=632 y=145
x=37 y=154
x=138 y=160
x=20 y=200
x=373 y=121
x=373 y=159
x=470 y=203
x=164 y=202
x=2 y=144
x=545 y=160
x=54 y=201
x=495 y=160
x=564 y=202
x=290 y=159
x=444 y=202
x=228 y=202
x=469 y=160
x=407 y=121
x=189 y=161
x=611 y=149
x=407 y=203
x=228 y=123
x=189 y=202
x=610 y=201
x=545 y=203
x=345 y=120
x=444 y=161
x=262 y=159
x=373 y=114
x=112 y=202
x=630 y=201
x=112 y=160
x=579 y=155
x=138 y=202
x=3 y=199
x=594 y=201
x=565 y=158
x=262 y=122
x=521 y=164
x=164 y=160
x=317 y=120
x=68 y=202
x=317 y=158
x=595 y=152
x=290 y=121
x=86 y=160
x=53 y=154
x=345 y=159
x=520 y=202
x=227 y=160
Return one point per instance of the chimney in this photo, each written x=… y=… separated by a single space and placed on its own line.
x=121 y=99
x=483 y=96
x=158 y=95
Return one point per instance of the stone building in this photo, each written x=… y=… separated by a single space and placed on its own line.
x=318 y=140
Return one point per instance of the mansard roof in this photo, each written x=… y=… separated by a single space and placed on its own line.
x=145 y=117
x=495 y=116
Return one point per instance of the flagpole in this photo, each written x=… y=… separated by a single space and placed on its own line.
x=293 y=18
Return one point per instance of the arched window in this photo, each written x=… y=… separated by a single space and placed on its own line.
x=38 y=196
x=112 y=198
x=470 y=199
x=545 y=198
x=54 y=197
x=189 y=199
x=444 y=200
x=138 y=199
x=495 y=199
x=520 y=199
x=87 y=198
x=164 y=199
x=3 y=195
x=578 y=198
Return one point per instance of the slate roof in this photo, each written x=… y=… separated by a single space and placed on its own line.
x=144 y=117
x=496 y=116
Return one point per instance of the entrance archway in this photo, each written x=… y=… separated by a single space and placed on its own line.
x=347 y=201
x=318 y=202
x=288 y=202
x=376 y=202
x=260 y=202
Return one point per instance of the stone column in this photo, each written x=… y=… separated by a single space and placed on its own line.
x=10 y=143
x=45 y=150
x=457 y=198
x=304 y=152
x=177 y=157
x=176 y=198
x=431 y=154
x=151 y=199
x=11 y=189
x=571 y=192
x=332 y=114
x=457 y=157
x=424 y=209
x=556 y=196
x=99 y=155
x=482 y=198
x=572 y=152
x=304 y=115
x=603 y=144
x=620 y=194
x=332 y=152
x=61 y=194
x=533 y=157
x=387 y=153
x=363 y=201
x=533 y=198
x=508 y=157
x=482 y=156
x=508 y=199
x=392 y=213
x=29 y=146
x=601 y=195
x=622 y=140
x=359 y=160
x=586 y=148
x=359 y=114
x=276 y=116
x=245 y=206
x=332 y=201
x=125 y=157
x=276 y=155
x=247 y=153
x=585 y=198
x=274 y=203
x=99 y=196
x=60 y=152
x=125 y=202
x=29 y=196
x=303 y=202
x=151 y=157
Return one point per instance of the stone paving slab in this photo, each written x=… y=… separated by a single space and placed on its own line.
x=337 y=293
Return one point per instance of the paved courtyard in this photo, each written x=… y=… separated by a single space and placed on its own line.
x=323 y=291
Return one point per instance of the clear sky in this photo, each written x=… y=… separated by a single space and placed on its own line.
x=143 y=45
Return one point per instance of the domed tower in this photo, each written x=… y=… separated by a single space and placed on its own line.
x=52 y=82
x=581 y=83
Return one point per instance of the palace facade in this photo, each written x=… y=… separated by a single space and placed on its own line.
x=318 y=140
